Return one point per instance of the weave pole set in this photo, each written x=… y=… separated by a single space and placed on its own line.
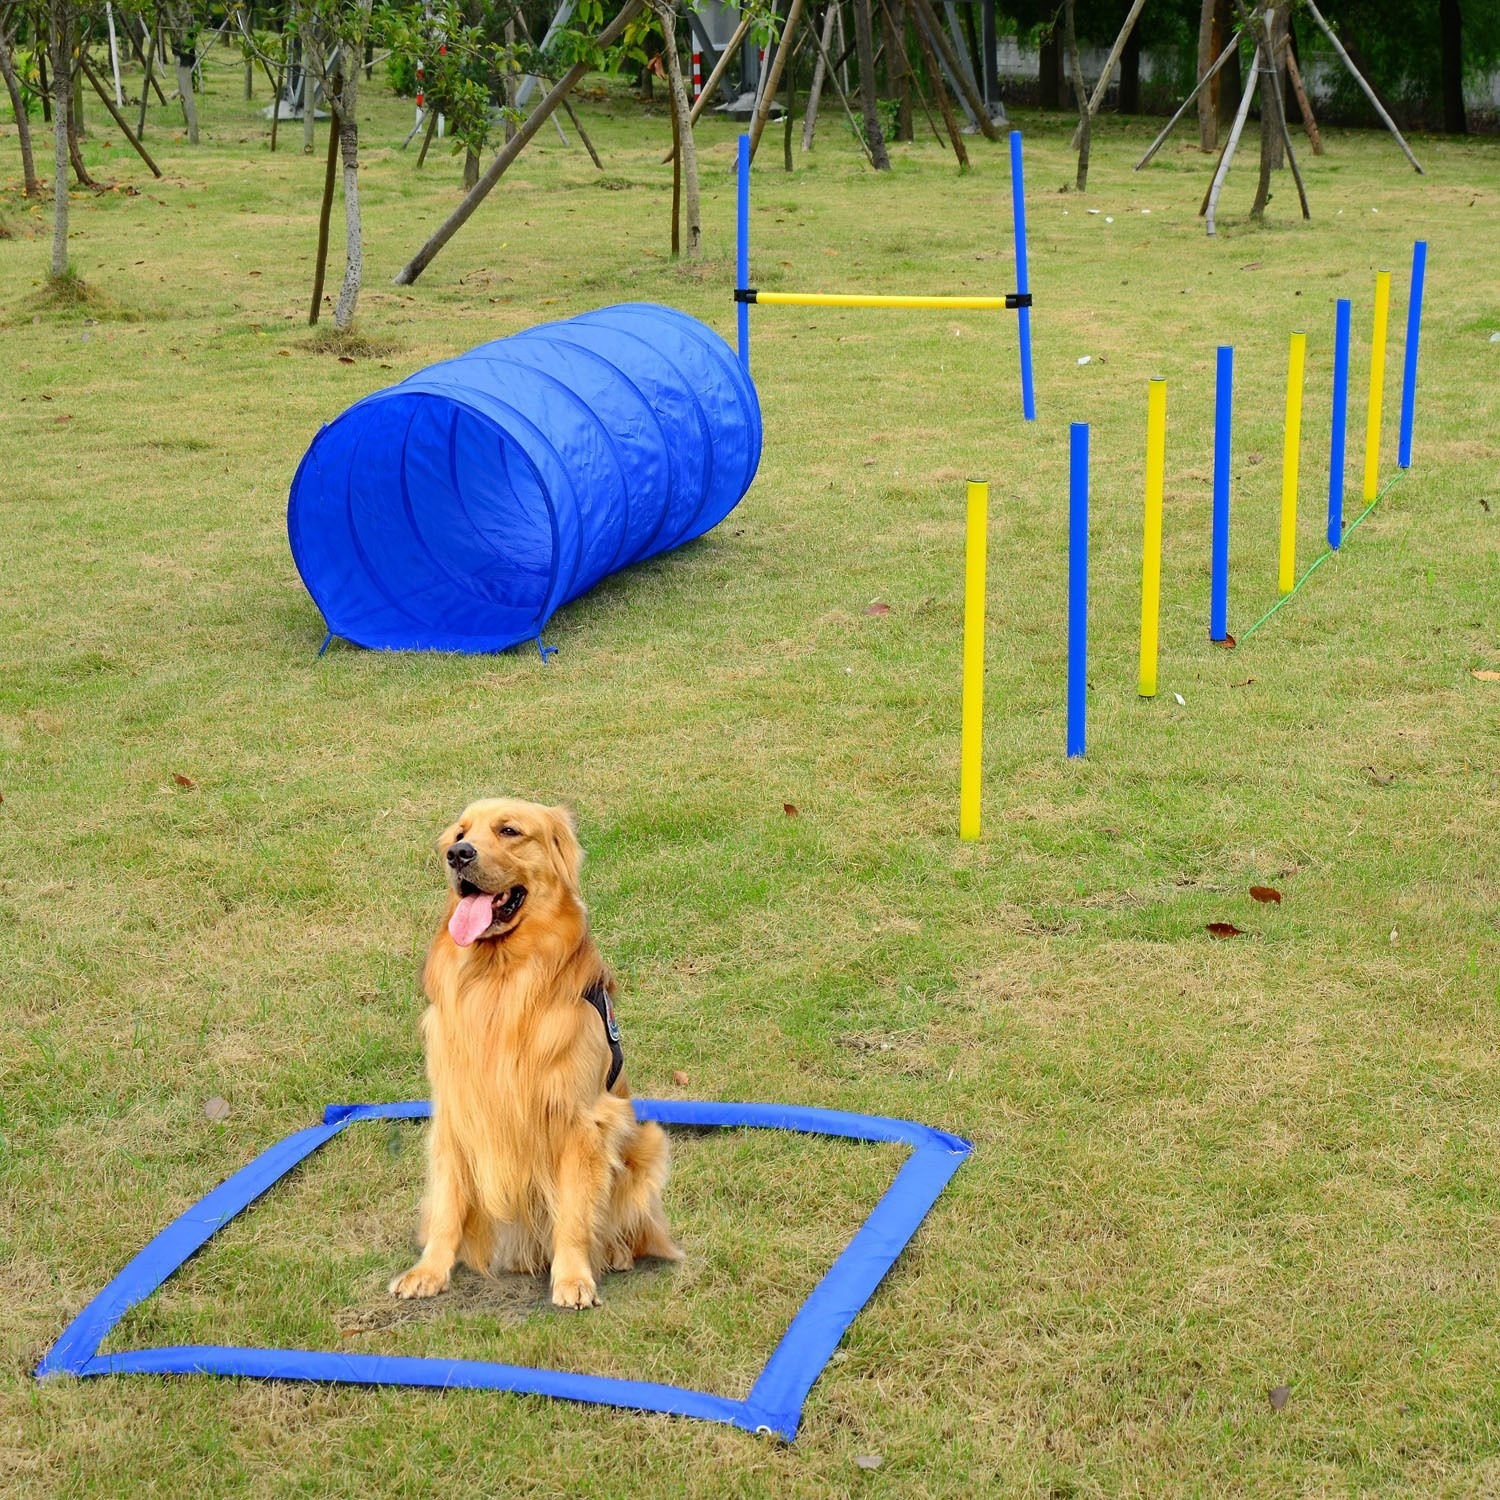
x=1287 y=580
x=977 y=515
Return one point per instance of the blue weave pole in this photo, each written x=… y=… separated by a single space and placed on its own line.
x=1023 y=281
x=742 y=246
x=1078 y=585
x=1413 y=337
x=1337 y=442
x=1218 y=594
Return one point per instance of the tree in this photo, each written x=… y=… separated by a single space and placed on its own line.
x=59 y=14
x=1451 y=30
x=17 y=103
x=665 y=12
x=864 y=45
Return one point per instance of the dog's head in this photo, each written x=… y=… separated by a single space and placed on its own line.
x=508 y=861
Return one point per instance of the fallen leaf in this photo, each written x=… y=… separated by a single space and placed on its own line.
x=284 y=351
x=1254 y=265
x=1245 y=683
x=868 y=1460
x=1181 y=701
x=1227 y=643
x=1253 y=458
x=1224 y=930
x=1395 y=933
x=879 y=608
x=679 y=1078
x=790 y=809
x=66 y=417
x=182 y=780
x=217 y=1110
x=345 y=359
x=1486 y=676
x=1378 y=778
x=1278 y=1396
x=1265 y=893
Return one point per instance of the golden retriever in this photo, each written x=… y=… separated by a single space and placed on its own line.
x=535 y=1157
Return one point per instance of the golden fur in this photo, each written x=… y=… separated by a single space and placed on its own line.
x=531 y=1163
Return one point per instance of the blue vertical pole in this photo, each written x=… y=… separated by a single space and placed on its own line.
x=1023 y=283
x=1218 y=601
x=1340 y=423
x=742 y=248
x=1413 y=335
x=1078 y=585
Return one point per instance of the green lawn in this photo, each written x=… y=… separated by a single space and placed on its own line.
x=1202 y=1169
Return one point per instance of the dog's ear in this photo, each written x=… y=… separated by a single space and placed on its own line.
x=563 y=845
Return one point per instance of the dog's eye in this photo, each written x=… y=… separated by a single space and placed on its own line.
x=508 y=831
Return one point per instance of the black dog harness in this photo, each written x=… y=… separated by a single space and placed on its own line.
x=598 y=996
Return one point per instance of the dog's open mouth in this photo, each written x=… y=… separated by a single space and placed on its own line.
x=478 y=911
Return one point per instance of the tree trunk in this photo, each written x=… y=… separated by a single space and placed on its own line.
x=864 y=44
x=23 y=124
x=1451 y=26
x=1276 y=21
x=1130 y=76
x=75 y=120
x=1049 y=70
x=325 y=218
x=185 y=61
x=1231 y=82
x=534 y=122
x=1080 y=93
x=898 y=67
x=61 y=54
x=348 y=130
x=666 y=12
x=1209 y=48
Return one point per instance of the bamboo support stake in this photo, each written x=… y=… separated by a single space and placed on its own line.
x=1359 y=78
x=1203 y=83
x=1211 y=198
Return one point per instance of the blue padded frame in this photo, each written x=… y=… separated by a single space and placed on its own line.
x=774 y=1404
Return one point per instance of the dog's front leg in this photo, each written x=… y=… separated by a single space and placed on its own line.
x=582 y=1191
x=443 y=1213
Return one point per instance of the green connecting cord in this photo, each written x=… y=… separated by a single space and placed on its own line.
x=1395 y=479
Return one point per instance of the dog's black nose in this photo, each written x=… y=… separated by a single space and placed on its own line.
x=462 y=854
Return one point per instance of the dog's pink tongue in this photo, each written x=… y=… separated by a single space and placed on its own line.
x=471 y=917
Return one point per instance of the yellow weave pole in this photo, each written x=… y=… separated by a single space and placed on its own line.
x=1290 y=452
x=971 y=754
x=1377 y=385
x=852 y=299
x=1156 y=469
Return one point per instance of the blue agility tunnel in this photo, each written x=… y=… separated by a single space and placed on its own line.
x=460 y=509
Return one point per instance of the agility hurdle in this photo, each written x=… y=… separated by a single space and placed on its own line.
x=747 y=296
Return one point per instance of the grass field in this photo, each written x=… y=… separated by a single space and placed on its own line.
x=1203 y=1169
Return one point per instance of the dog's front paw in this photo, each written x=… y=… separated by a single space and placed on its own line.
x=576 y=1292
x=420 y=1281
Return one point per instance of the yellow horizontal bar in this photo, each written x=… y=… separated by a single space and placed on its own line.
x=846 y=299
